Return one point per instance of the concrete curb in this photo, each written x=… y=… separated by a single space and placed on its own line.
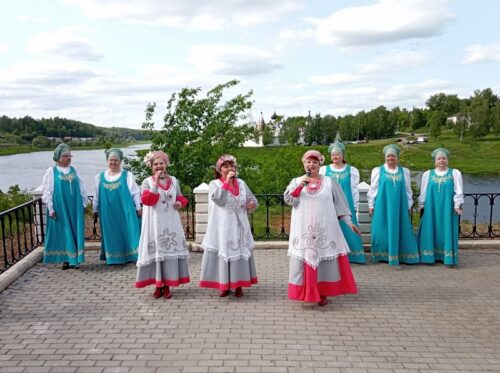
x=18 y=269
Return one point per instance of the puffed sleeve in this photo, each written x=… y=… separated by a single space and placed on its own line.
x=409 y=192
x=458 y=197
x=149 y=195
x=83 y=193
x=423 y=189
x=250 y=197
x=48 y=188
x=292 y=192
x=95 y=200
x=354 y=186
x=373 y=191
x=322 y=170
x=217 y=193
x=134 y=190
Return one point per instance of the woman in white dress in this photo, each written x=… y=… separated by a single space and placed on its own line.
x=228 y=261
x=319 y=265
x=163 y=252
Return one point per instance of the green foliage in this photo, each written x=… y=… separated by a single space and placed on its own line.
x=13 y=197
x=41 y=142
x=447 y=104
x=196 y=131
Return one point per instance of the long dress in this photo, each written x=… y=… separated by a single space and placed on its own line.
x=437 y=236
x=392 y=238
x=319 y=265
x=163 y=252
x=348 y=178
x=64 y=194
x=228 y=261
x=117 y=198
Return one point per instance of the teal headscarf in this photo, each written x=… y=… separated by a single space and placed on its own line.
x=337 y=147
x=61 y=149
x=114 y=152
x=391 y=149
x=440 y=151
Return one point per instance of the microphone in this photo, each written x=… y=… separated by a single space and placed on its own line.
x=308 y=173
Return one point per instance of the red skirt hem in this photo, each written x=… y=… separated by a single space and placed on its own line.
x=161 y=283
x=228 y=286
x=312 y=291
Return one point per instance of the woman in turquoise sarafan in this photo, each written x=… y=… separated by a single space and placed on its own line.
x=389 y=204
x=65 y=197
x=440 y=202
x=348 y=178
x=117 y=202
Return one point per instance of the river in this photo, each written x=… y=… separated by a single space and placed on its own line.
x=27 y=170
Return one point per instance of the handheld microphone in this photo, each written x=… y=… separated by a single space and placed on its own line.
x=308 y=173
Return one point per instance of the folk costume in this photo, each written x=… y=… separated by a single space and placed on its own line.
x=319 y=265
x=116 y=200
x=348 y=179
x=66 y=199
x=441 y=196
x=391 y=197
x=228 y=261
x=163 y=253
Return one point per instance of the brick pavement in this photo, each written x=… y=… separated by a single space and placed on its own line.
x=419 y=319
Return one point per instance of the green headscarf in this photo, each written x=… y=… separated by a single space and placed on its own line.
x=391 y=149
x=337 y=147
x=440 y=151
x=61 y=149
x=114 y=152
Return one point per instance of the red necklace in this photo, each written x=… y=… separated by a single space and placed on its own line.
x=234 y=188
x=313 y=185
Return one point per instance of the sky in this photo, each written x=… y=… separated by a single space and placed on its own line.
x=103 y=61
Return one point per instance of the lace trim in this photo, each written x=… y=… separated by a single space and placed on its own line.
x=313 y=265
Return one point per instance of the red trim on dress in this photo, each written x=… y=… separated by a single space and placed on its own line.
x=312 y=290
x=151 y=281
x=297 y=191
x=183 y=200
x=227 y=286
x=232 y=187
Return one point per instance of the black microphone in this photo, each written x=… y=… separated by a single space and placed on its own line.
x=308 y=173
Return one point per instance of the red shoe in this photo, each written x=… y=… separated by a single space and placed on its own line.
x=238 y=293
x=323 y=301
x=166 y=292
x=157 y=293
x=223 y=293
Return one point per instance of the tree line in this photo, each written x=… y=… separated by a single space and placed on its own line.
x=28 y=130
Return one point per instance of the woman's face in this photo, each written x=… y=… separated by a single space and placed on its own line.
x=114 y=164
x=65 y=160
x=391 y=160
x=226 y=167
x=337 y=157
x=441 y=161
x=158 y=165
x=312 y=164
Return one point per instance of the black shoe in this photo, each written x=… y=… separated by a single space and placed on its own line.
x=65 y=266
x=75 y=267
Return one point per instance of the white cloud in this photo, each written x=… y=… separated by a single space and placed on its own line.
x=3 y=48
x=338 y=78
x=233 y=60
x=479 y=53
x=65 y=43
x=188 y=15
x=398 y=60
x=383 y=22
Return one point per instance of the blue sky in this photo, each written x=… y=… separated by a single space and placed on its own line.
x=102 y=61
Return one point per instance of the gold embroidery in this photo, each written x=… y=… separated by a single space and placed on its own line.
x=441 y=180
x=64 y=253
x=394 y=177
x=69 y=177
x=112 y=186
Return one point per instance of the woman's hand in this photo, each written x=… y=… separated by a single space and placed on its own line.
x=177 y=205
x=230 y=175
x=52 y=215
x=370 y=211
x=458 y=211
x=250 y=205
x=158 y=175
x=355 y=229
x=305 y=179
x=139 y=213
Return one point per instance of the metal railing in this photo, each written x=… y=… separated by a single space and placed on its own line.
x=20 y=232
x=479 y=227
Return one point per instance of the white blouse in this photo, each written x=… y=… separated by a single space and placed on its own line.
x=458 y=187
x=354 y=181
x=375 y=180
x=48 y=186
x=131 y=184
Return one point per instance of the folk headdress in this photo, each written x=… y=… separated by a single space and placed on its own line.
x=313 y=154
x=151 y=156
x=391 y=149
x=114 y=152
x=337 y=147
x=225 y=158
x=440 y=151
x=61 y=149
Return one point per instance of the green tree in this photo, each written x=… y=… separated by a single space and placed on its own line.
x=480 y=115
x=495 y=119
x=41 y=142
x=418 y=118
x=463 y=121
x=447 y=104
x=196 y=131
x=437 y=119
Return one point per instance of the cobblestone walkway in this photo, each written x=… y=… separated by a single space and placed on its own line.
x=419 y=319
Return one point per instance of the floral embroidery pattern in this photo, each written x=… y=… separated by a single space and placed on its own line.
x=339 y=176
x=395 y=178
x=441 y=180
x=69 y=177
x=112 y=186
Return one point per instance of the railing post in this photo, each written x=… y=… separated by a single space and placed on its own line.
x=364 y=219
x=201 y=213
x=39 y=221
